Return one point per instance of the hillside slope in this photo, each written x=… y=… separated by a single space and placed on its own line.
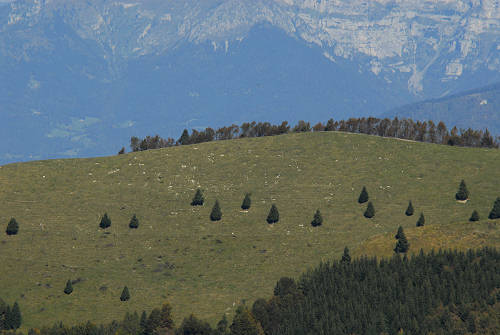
x=207 y=268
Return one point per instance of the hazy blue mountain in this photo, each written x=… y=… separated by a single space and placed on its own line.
x=478 y=109
x=78 y=78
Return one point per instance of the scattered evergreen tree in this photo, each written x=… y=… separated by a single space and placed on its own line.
x=12 y=227
x=409 y=210
x=166 y=320
x=125 y=296
x=247 y=202
x=134 y=222
x=130 y=324
x=421 y=220
x=317 y=219
x=363 y=196
x=216 y=213
x=105 y=221
x=69 y=287
x=184 y=139
x=122 y=151
x=474 y=217
x=402 y=244
x=463 y=193
x=273 y=215
x=346 y=257
x=370 y=211
x=143 y=322
x=495 y=211
x=198 y=199
x=398 y=234
x=15 y=317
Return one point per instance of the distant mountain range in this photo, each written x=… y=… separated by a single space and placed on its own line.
x=78 y=78
x=477 y=109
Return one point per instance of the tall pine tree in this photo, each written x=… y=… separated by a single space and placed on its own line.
x=363 y=196
x=463 y=193
x=402 y=244
x=15 y=316
x=247 y=202
x=317 y=219
x=274 y=215
x=198 y=199
x=409 y=209
x=216 y=213
x=495 y=211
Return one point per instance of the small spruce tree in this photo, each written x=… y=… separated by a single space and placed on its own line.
x=363 y=196
x=402 y=244
x=247 y=202
x=198 y=199
x=346 y=257
x=69 y=287
x=317 y=219
x=15 y=316
x=495 y=211
x=12 y=227
x=409 y=209
x=105 y=221
x=134 y=222
x=216 y=213
x=370 y=211
x=273 y=215
x=398 y=234
x=474 y=216
x=463 y=193
x=421 y=220
x=125 y=296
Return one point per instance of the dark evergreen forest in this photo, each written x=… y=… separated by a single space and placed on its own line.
x=440 y=293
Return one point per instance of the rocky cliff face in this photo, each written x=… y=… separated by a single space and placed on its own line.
x=212 y=62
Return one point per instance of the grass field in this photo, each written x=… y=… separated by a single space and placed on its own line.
x=178 y=255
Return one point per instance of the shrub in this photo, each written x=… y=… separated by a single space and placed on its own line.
x=69 y=287
x=463 y=193
x=474 y=217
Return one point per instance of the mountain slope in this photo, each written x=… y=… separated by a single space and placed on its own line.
x=178 y=254
x=130 y=68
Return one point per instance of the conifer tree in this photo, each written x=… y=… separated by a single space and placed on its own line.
x=363 y=196
x=216 y=213
x=69 y=287
x=421 y=220
x=273 y=215
x=402 y=244
x=317 y=219
x=105 y=221
x=125 y=296
x=198 y=199
x=184 y=139
x=244 y=323
x=398 y=234
x=370 y=211
x=474 y=217
x=346 y=257
x=409 y=210
x=143 y=322
x=222 y=326
x=495 y=211
x=12 y=227
x=15 y=317
x=134 y=222
x=463 y=193
x=247 y=202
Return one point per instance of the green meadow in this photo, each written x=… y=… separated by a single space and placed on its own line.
x=208 y=268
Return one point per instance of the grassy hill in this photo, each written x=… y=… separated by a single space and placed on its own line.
x=179 y=255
